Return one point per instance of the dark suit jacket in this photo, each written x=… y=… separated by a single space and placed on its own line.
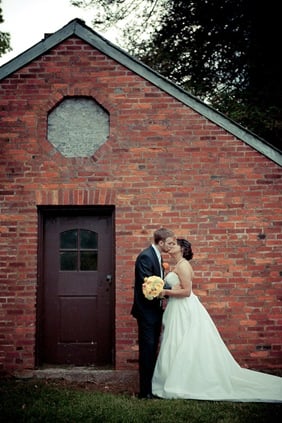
x=147 y=264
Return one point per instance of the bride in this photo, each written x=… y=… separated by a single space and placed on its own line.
x=194 y=362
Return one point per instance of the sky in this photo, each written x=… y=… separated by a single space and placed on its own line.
x=28 y=20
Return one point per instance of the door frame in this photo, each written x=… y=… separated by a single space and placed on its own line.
x=42 y=213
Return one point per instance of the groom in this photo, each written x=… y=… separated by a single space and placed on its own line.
x=149 y=312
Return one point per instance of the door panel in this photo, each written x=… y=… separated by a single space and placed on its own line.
x=77 y=292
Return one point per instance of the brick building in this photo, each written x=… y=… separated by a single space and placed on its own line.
x=97 y=151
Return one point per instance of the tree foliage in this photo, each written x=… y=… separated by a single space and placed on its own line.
x=133 y=20
x=222 y=51
x=4 y=37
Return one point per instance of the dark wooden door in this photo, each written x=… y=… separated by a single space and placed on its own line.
x=78 y=290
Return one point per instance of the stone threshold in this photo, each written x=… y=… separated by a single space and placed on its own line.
x=98 y=376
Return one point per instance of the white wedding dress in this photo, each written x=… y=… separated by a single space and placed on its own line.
x=194 y=362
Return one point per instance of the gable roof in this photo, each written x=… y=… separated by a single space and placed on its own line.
x=78 y=28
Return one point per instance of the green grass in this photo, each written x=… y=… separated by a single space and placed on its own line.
x=44 y=401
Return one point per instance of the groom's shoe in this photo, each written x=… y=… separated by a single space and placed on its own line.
x=146 y=396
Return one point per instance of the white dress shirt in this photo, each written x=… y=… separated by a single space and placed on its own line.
x=159 y=258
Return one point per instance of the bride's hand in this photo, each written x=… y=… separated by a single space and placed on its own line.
x=161 y=294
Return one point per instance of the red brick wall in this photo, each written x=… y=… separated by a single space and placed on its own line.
x=163 y=164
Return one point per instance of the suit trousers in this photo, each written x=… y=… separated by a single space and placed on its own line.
x=149 y=335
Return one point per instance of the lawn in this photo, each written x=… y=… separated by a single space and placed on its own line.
x=49 y=401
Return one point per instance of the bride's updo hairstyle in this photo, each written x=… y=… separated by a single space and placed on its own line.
x=186 y=248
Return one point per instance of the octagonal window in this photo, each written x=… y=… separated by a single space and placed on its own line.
x=78 y=126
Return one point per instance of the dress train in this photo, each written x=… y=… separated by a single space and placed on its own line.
x=194 y=362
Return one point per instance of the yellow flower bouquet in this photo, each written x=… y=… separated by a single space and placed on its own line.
x=152 y=287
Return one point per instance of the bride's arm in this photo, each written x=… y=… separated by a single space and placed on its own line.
x=183 y=289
